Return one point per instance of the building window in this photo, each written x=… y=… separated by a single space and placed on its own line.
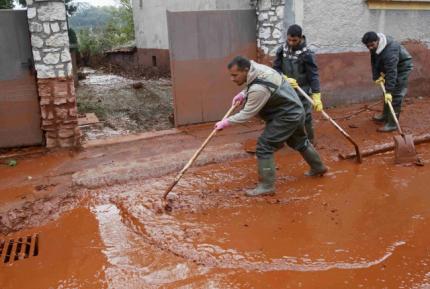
x=140 y=4
x=154 y=60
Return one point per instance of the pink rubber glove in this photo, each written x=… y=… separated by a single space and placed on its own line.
x=222 y=124
x=239 y=98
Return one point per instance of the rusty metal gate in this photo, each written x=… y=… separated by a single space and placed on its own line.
x=19 y=106
x=201 y=45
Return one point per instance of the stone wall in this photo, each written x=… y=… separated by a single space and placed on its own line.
x=51 y=53
x=334 y=26
x=270 y=27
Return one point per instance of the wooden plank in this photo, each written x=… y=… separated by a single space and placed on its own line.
x=386 y=147
x=399 y=5
x=90 y=118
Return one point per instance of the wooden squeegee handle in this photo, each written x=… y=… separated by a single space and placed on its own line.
x=336 y=125
x=196 y=154
x=393 y=113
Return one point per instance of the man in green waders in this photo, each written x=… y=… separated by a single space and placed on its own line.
x=269 y=95
x=297 y=62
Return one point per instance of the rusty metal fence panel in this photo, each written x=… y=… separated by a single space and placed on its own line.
x=19 y=106
x=201 y=45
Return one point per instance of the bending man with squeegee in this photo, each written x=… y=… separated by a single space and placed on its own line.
x=391 y=65
x=270 y=96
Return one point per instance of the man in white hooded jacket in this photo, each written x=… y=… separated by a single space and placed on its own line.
x=270 y=96
x=391 y=66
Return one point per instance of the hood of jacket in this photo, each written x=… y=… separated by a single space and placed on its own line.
x=262 y=72
x=384 y=41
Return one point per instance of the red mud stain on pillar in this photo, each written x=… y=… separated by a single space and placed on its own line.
x=59 y=112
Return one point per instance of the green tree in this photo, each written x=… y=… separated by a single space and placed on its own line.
x=116 y=31
x=120 y=28
x=6 y=4
x=88 y=16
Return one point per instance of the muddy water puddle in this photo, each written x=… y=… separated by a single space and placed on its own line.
x=361 y=226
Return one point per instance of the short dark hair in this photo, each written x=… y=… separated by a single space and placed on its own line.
x=294 y=31
x=369 y=37
x=241 y=61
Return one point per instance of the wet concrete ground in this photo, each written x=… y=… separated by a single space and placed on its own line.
x=360 y=226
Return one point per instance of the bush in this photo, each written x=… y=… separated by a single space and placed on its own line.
x=73 y=39
x=118 y=31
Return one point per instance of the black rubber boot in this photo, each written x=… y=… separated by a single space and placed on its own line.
x=390 y=124
x=309 y=128
x=314 y=161
x=266 y=179
x=383 y=116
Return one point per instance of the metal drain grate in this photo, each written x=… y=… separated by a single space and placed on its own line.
x=19 y=248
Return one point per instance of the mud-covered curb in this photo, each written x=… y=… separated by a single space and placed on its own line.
x=157 y=166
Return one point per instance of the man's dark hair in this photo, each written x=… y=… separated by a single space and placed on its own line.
x=241 y=62
x=294 y=31
x=369 y=37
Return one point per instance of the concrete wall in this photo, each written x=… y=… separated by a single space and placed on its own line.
x=334 y=29
x=150 y=17
x=337 y=26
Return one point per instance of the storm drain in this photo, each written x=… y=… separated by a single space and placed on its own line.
x=19 y=248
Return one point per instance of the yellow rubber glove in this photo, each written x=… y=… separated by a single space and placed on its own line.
x=388 y=97
x=318 y=105
x=381 y=79
x=292 y=82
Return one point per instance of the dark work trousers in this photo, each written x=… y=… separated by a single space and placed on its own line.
x=308 y=111
x=398 y=94
x=279 y=131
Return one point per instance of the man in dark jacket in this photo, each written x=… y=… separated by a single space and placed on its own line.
x=298 y=63
x=391 y=65
x=268 y=95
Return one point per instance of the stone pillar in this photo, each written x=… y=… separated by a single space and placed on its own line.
x=270 y=22
x=50 y=43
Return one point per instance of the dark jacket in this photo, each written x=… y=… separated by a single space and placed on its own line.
x=395 y=62
x=299 y=64
x=283 y=102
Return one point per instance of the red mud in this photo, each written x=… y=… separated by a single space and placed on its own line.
x=360 y=226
